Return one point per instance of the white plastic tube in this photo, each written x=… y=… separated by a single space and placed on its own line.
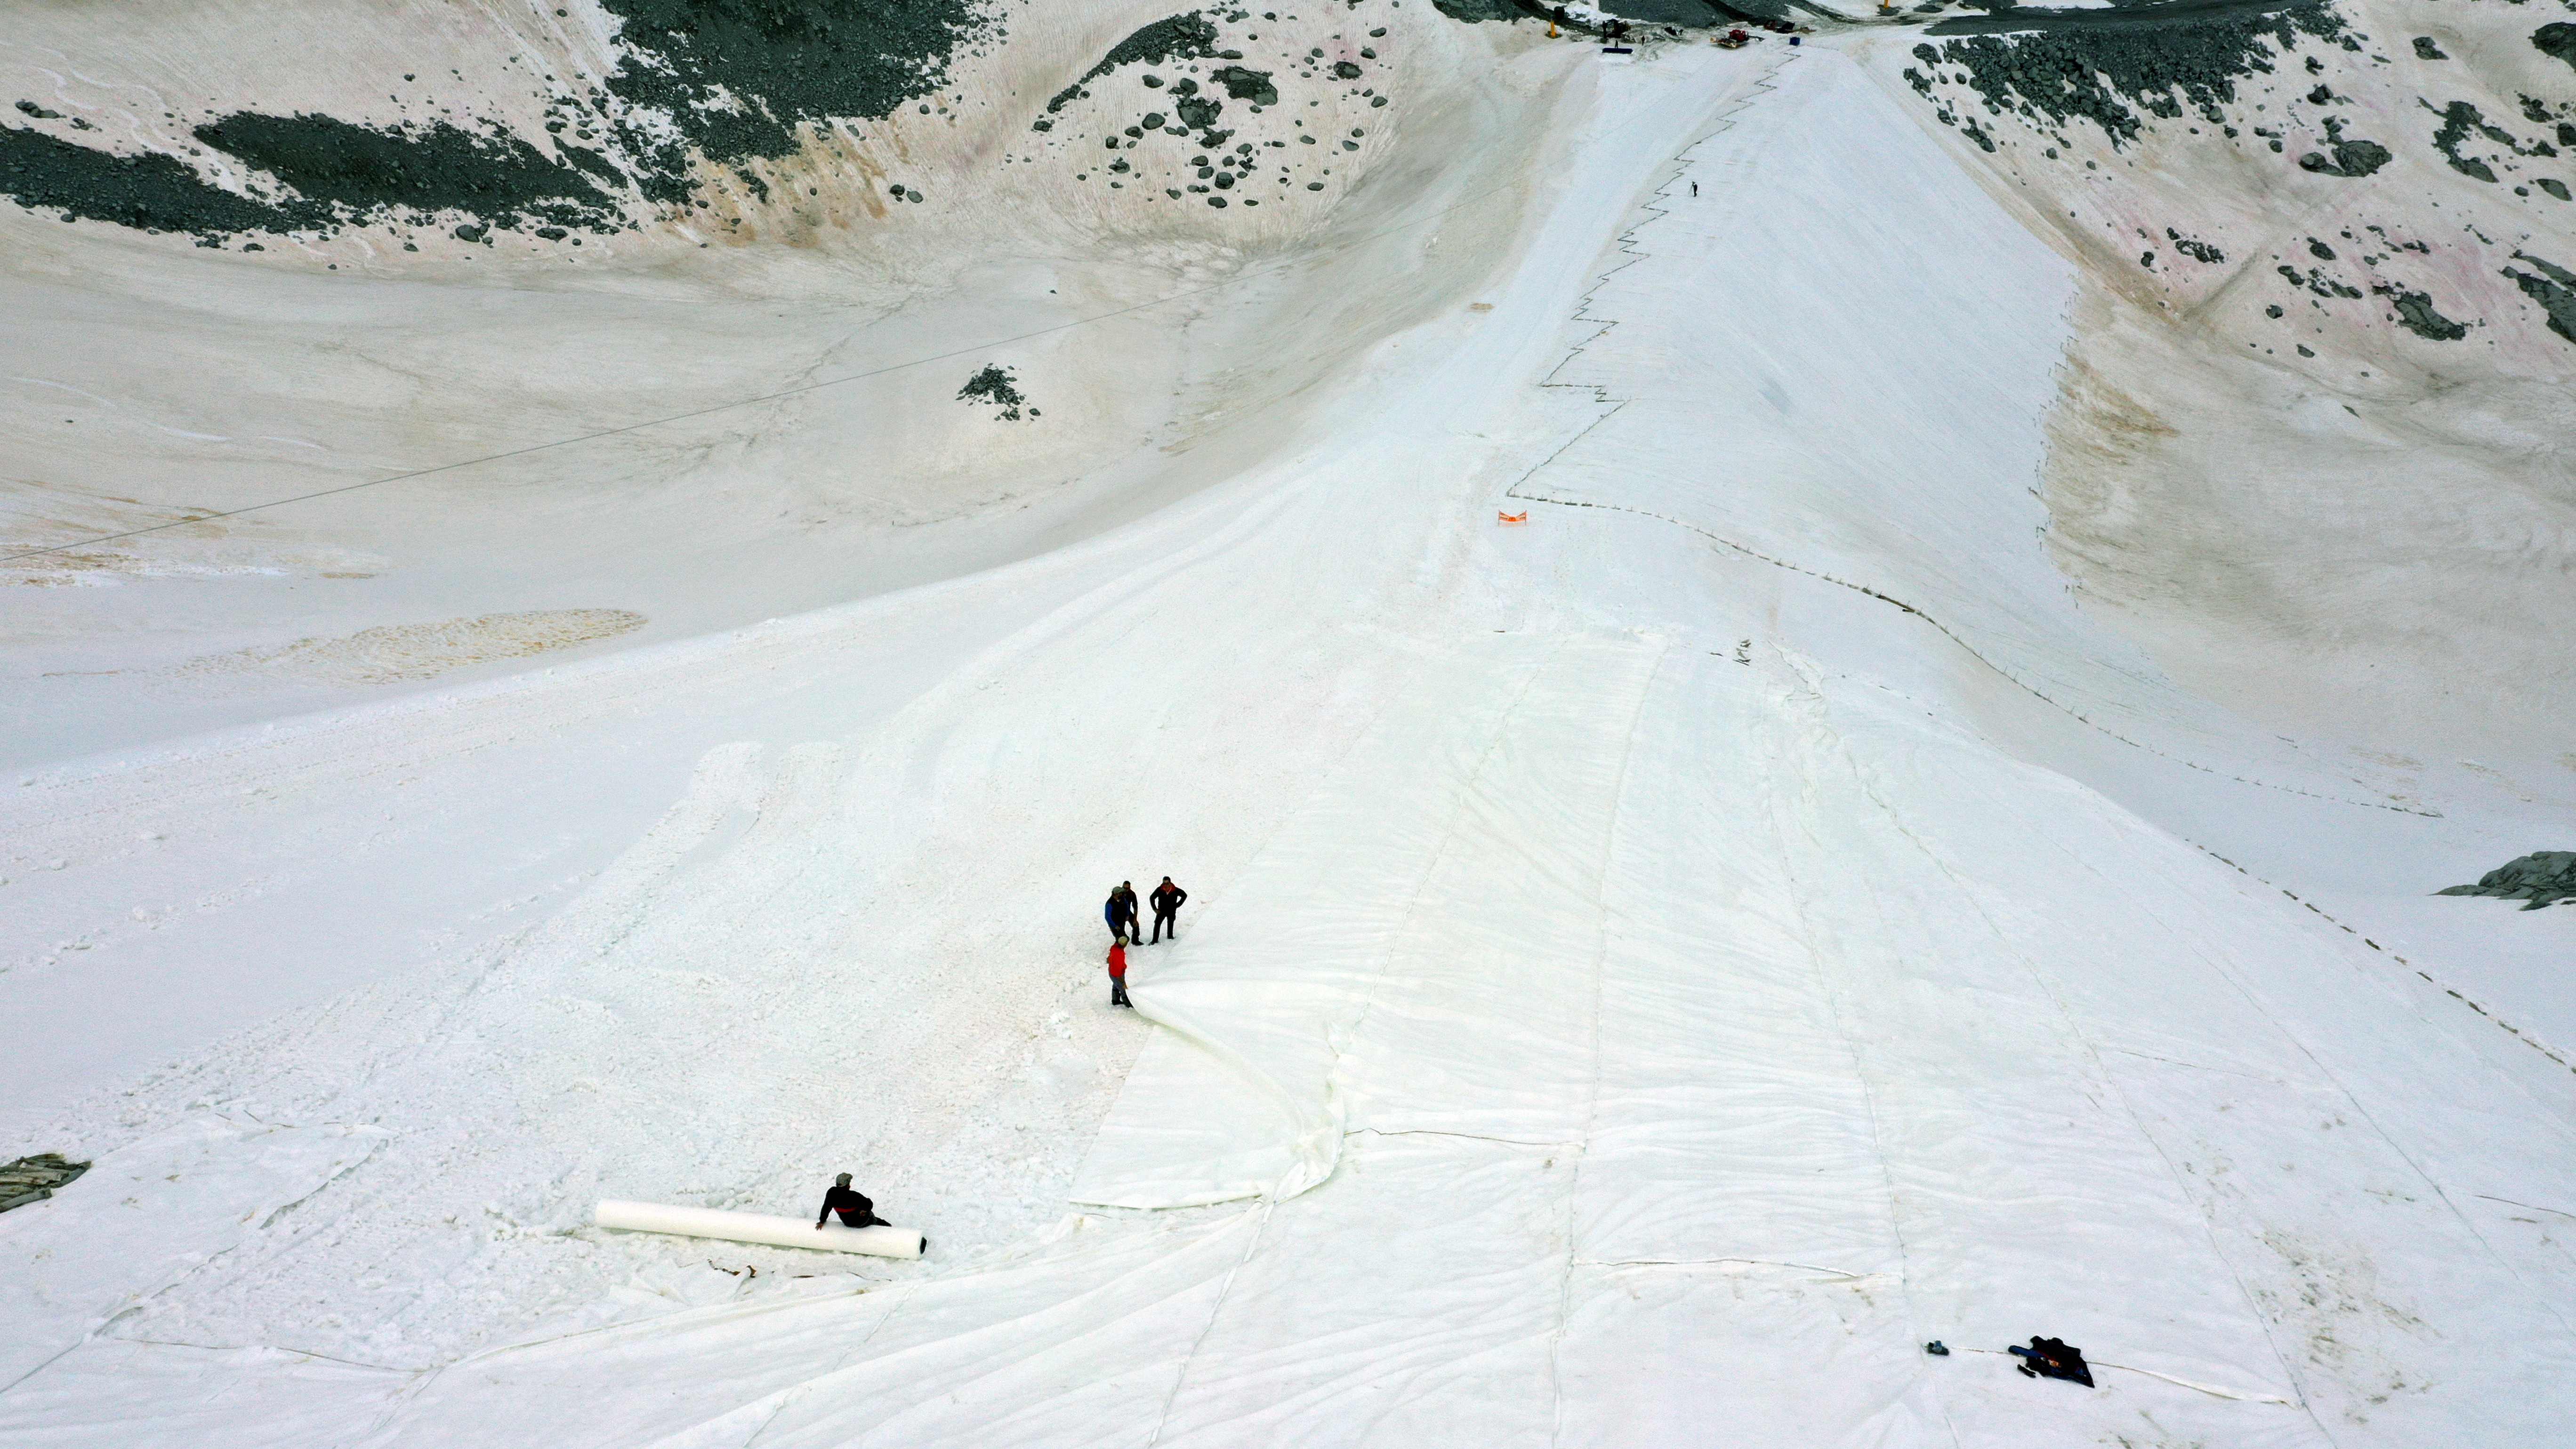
x=691 y=1222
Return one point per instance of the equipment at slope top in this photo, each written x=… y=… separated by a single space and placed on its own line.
x=1572 y=17
x=2053 y=1358
x=33 y=1179
x=734 y=1227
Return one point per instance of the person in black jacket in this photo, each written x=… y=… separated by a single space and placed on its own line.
x=1167 y=899
x=1123 y=902
x=853 y=1206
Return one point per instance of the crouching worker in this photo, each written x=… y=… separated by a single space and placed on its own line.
x=853 y=1206
x=2053 y=1358
x=1118 y=975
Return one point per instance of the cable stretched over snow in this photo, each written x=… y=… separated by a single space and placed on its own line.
x=2216 y=1390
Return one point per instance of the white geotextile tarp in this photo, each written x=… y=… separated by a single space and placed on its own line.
x=145 y=1218
x=1659 y=1022
x=1653 y=914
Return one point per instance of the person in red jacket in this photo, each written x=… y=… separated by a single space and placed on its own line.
x=1118 y=974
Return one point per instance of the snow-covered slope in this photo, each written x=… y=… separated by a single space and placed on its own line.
x=2327 y=251
x=1649 y=968
x=680 y=417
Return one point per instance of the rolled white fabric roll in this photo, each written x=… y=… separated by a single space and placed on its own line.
x=693 y=1222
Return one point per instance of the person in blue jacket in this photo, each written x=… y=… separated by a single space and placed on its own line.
x=1120 y=912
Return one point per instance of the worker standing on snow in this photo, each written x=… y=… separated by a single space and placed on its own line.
x=853 y=1206
x=1125 y=899
x=1167 y=899
x=1109 y=913
x=1118 y=975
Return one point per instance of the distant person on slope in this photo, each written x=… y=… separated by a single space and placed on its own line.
x=853 y=1206
x=1167 y=899
x=1118 y=975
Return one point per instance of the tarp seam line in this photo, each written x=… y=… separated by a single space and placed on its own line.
x=1592 y=1095
x=1720 y=1263
x=1971 y=650
x=1626 y=242
x=1781 y=831
x=1216 y=1310
x=2073 y=1026
x=1469 y=1136
x=2535 y=1207
x=903 y=1295
x=1350 y=1031
x=2547 y=1302
x=375 y=1141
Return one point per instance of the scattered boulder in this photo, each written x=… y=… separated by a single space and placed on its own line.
x=2541 y=878
x=1187 y=36
x=2343 y=157
x=33 y=1179
x=2107 y=73
x=2554 y=289
x=2556 y=39
x=1247 y=85
x=2415 y=313
x=997 y=386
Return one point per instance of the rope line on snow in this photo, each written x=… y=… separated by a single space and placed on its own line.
x=2526 y=1038
x=2071 y=1023
x=2442 y=1194
x=1726 y=121
x=1627 y=243
x=2213 y=1389
x=1952 y=635
x=1582 y=311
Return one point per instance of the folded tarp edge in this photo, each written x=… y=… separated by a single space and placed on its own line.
x=777 y=1232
